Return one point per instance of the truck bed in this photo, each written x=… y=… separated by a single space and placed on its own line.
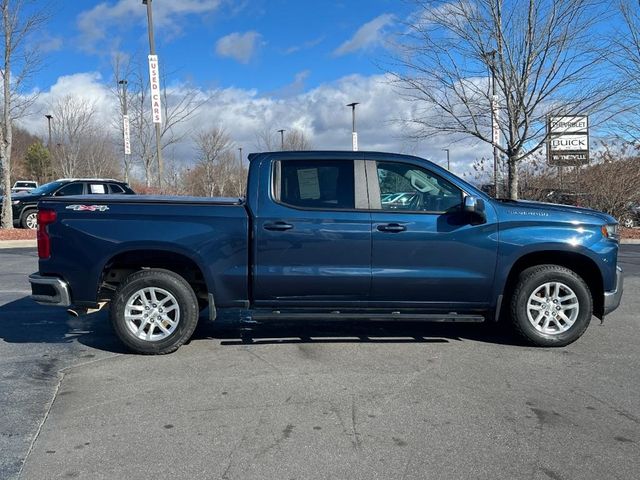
x=91 y=231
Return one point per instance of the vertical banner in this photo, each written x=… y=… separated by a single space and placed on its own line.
x=154 y=81
x=354 y=141
x=126 y=134
x=495 y=127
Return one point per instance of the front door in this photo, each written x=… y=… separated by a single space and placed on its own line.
x=313 y=235
x=427 y=252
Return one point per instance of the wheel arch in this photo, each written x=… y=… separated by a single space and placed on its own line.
x=122 y=264
x=583 y=265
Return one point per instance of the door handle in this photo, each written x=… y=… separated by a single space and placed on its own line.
x=278 y=226
x=391 y=227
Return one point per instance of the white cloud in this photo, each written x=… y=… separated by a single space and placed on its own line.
x=95 y=25
x=320 y=113
x=239 y=46
x=294 y=88
x=368 y=35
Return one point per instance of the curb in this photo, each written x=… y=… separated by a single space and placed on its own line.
x=630 y=241
x=18 y=244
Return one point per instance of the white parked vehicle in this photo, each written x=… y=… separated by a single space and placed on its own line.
x=24 y=186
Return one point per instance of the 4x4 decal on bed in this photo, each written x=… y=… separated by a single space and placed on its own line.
x=88 y=208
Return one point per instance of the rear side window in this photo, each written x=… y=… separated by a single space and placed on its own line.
x=321 y=184
x=71 y=189
x=116 y=188
x=97 y=188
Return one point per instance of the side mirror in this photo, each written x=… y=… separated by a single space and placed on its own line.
x=474 y=206
x=470 y=204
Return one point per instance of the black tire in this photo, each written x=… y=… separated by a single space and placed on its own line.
x=24 y=218
x=531 y=279
x=176 y=286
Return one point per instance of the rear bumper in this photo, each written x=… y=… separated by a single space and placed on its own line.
x=50 y=291
x=612 y=299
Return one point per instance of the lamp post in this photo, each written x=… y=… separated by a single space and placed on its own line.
x=125 y=128
x=354 y=134
x=152 y=51
x=43 y=174
x=49 y=117
x=240 y=155
x=448 y=163
x=282 y=130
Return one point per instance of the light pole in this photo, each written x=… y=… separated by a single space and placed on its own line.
x=125 y=127
x=240 y=155
x=152 y=51
x=495 y=132
x=354 y=134
x=448 y=163
x=49 y=117
x=282 y=130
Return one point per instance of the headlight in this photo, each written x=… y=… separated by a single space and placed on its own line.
x=611 y=231
x=15 y=202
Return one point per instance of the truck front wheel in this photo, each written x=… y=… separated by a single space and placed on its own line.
x=154 y=311
x=551 y=306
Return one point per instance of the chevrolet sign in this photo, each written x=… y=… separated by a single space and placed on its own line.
x=568 y=140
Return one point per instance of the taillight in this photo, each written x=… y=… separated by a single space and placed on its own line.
x=45 y=218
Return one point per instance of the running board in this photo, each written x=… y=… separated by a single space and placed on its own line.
x=337 y=315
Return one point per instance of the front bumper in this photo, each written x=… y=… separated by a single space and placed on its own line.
x=50 y=291
x=612 y=299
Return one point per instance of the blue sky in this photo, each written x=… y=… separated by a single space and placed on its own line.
x=261 y=44
x=263 y=64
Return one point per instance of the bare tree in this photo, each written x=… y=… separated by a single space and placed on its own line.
x=20 y=18
x=268 y=139
x=179 y=105
x=122 y=71
x=626 y=59
x=213 y=149
x=98 y=155
x=546 y=57
x=74 y=124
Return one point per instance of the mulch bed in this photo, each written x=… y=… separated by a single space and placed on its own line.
x=629 y=232
x=17 y=234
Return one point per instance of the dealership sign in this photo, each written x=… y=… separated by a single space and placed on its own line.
x=154 y=80
x=568 y=143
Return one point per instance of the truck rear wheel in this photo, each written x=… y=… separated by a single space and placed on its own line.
x=154 y=311
x=551 y=306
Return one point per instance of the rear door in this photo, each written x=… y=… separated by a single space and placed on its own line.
x=426 y=251
x=312 y=233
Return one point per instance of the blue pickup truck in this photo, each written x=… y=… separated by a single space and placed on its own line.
x=314 y=240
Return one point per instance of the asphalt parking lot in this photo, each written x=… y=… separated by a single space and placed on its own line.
x=359 y=401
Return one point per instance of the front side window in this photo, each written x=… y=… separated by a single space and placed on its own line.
x=410 y=188
x=115 y=188
x=321 y=184
x=71 y=189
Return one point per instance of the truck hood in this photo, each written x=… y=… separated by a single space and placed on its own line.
x=537 y=208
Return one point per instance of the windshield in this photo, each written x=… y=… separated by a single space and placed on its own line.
x=24 y=185
x=46 y=188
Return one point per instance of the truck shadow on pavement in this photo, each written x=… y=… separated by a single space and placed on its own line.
x=231 y=332
x=23 y=321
